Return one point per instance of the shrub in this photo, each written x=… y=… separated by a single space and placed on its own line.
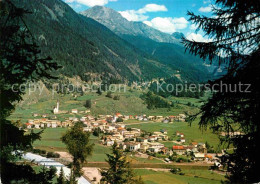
x=109 y=94
x=175 y=170
x=88 y=104
x=39 y=151
x=119 y=119
x=117 y=97
x=53 y=155
x=182 y=159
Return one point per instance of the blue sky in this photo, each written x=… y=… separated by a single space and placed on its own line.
x=165 y=15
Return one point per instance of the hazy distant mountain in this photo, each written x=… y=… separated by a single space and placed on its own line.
x=177 y=35
x=83 y=46
x=118 y=24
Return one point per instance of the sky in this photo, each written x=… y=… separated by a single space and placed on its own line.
x=168 y=16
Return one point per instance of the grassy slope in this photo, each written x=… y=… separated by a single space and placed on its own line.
x=129 y=103
x=158 y=177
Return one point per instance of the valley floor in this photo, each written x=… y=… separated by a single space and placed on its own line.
x=129 y=103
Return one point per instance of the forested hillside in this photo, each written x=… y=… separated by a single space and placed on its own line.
x=83 y=46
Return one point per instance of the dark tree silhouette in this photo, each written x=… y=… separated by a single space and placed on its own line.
x=19 y=54
x=235 y=33
x=20 y=62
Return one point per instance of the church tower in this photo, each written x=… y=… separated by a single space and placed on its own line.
x=56 y=109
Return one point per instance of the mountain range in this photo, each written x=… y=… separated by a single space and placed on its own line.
x=100 y=42
x=165 y=48
x=121 y=26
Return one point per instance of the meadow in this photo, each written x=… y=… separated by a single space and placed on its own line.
x=51 y=141
x=189 y=177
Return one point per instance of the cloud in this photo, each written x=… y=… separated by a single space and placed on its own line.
x=90 y=3
x=206 y=9
x=193 y=27
x=131 y=15
x=148 y=23
x=197 y=37
x=152 y=8
x=179 y=23
x=167 y=24
x=138 y=15
x=164 y=24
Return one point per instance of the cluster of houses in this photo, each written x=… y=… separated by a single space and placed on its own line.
x=131 y=139
x=166 y=119
x=181 y=137
x=45 y=120
x=197 y=150
x=49 y=123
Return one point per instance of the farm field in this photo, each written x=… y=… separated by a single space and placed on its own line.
x=189 y=177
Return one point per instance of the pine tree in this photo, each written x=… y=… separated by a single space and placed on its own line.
x=119 y=171
x=20 y=62
x=61 y=179
x=235 y=32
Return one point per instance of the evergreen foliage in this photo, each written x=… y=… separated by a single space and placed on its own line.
x=61 y=179
x=119 y=171
x=235 y=33
x=155 y=101
x=20 y=62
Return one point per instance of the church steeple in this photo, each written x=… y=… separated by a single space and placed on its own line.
x=56 y=109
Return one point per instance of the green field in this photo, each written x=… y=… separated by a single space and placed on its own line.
x=190 y=177
x=192 y=133
x=50 y=138
x=50 y=141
